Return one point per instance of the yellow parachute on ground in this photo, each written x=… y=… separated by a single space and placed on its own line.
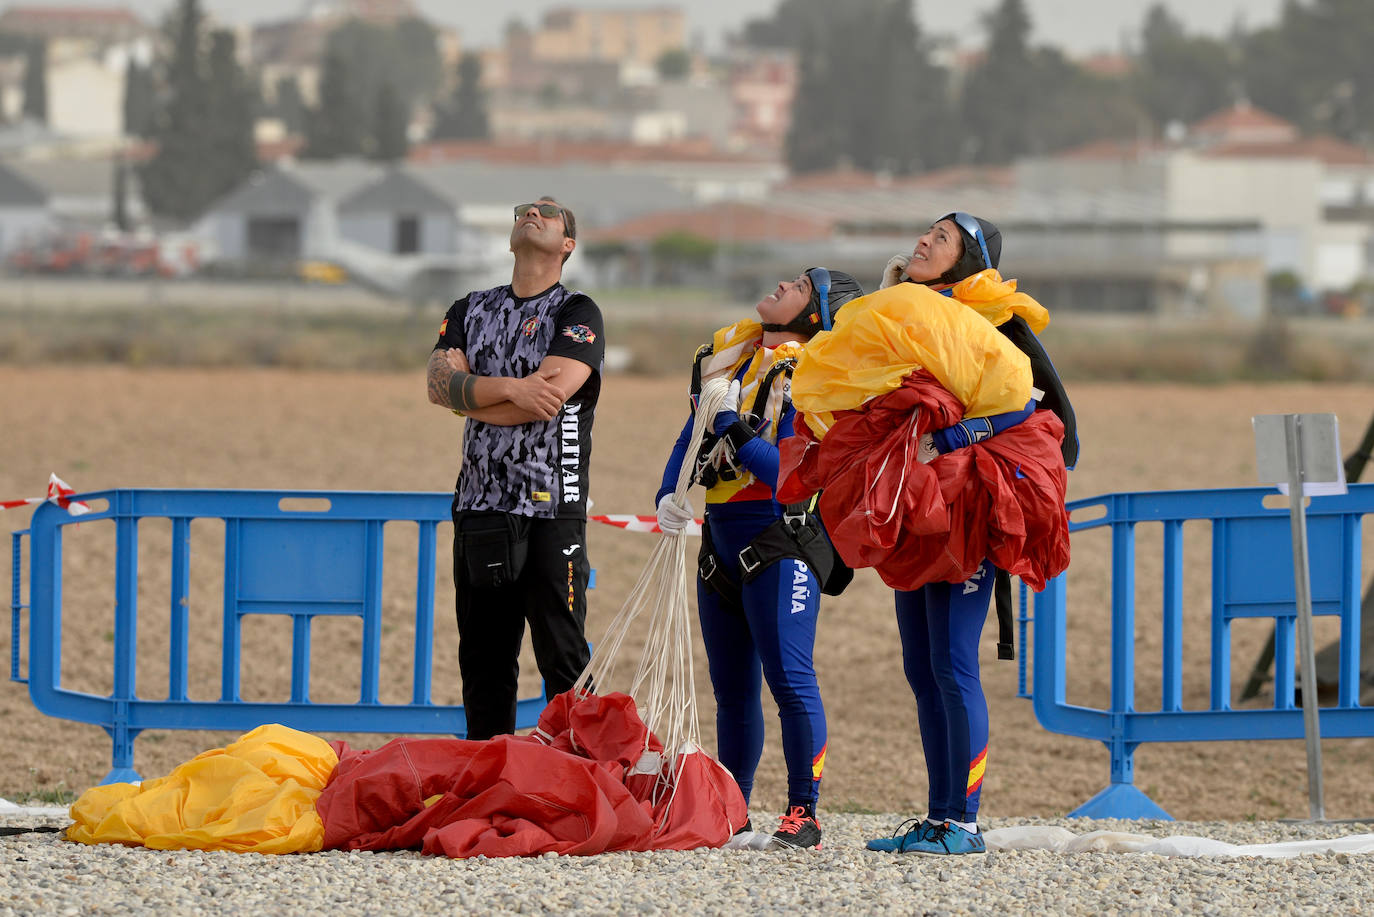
x=254 y=796
x=880 y=339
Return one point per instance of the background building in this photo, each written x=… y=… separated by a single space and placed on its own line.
x=24 y=213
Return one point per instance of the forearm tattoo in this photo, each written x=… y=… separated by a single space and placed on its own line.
x=438 y=375
x=462 y=391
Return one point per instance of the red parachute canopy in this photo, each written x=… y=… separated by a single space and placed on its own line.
x=917 y=523
x=587 y=781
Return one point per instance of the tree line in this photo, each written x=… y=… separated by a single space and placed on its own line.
x=198 y=106
x=873 y=93
x=874 y=90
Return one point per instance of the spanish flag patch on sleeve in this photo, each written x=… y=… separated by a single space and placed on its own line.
x=443 y=326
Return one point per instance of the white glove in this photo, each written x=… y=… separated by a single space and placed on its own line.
x=672 y=518
x=892 y=274
x=926 y=451
x=729 y=405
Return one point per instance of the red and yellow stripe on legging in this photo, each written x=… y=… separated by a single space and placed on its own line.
x=975 y=771
x=818 y=763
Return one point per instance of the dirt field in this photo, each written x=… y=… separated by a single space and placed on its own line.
x=106 y=427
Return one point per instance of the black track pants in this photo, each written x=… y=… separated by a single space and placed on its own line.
x=551 y=594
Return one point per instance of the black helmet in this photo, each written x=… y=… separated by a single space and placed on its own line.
x=982 y=246
x=836 y=287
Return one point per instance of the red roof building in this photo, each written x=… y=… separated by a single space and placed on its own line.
x=103 y=24
x=1242 y=123
x=1111 y=66
x=732 y=222
x=762 y=87
x=1331 y=151
x=855 y=180
x=557 y=151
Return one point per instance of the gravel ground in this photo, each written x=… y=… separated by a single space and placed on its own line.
x=42 y=874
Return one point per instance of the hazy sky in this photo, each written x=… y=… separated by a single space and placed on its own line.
x=1078 y=26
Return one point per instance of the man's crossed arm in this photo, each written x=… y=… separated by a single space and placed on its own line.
x=503 y=400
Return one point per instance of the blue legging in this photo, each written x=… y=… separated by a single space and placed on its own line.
x=940 y=625
x=775 y=637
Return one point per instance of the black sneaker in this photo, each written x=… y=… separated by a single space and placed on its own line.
x=798 y=830
x=748 y=826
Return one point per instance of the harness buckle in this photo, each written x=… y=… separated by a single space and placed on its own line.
x=797 y=523
x=749 y=559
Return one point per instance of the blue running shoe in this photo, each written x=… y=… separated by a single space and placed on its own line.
x=900 y=841
x=948 y=840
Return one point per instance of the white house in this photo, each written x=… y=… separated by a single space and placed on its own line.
x=24 y=213
x=80 y=189
x=1310 y=196
x=306 y=210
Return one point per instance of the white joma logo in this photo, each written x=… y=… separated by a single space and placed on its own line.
x=571 y=550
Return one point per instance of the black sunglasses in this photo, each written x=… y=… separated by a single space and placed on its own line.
x=546 y=210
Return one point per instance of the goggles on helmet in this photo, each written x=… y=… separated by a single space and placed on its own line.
x=970 y=225
x=820 y=279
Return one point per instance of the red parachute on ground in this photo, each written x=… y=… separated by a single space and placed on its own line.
x=586 y=781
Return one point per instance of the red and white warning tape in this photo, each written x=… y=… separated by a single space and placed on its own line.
x=58 y=492
x=642 y=523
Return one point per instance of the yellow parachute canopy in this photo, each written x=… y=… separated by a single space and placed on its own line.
x=880 y=339
x=997 y=300
x=254 y=796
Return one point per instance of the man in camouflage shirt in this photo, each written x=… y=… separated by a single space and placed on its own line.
x=523 y=363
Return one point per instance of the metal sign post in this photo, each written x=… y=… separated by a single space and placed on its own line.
x=1301 y=453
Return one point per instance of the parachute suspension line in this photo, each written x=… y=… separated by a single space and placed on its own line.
x=913 y=436
x=663 y=684
x=722 y=454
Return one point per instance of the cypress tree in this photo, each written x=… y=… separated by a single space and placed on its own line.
x=1180 y=77
x=907 y=115
x=1000 y=97
x=867 y=92
x=175 y=182
x=232 y=151
x=391 y=124
x=36 y=82
x=139 y=100
x=119 y=206
x=290 y=107
x=815 y=140
x=340 y=125
x=465 y=116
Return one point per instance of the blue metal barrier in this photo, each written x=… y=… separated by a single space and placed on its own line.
x=303 y=564
x=1252 y=577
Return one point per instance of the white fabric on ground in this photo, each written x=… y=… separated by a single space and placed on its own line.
x=1062 y=840
x=8 y=808
x=750 y=840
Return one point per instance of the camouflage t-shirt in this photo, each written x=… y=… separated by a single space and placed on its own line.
x=538 y=468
